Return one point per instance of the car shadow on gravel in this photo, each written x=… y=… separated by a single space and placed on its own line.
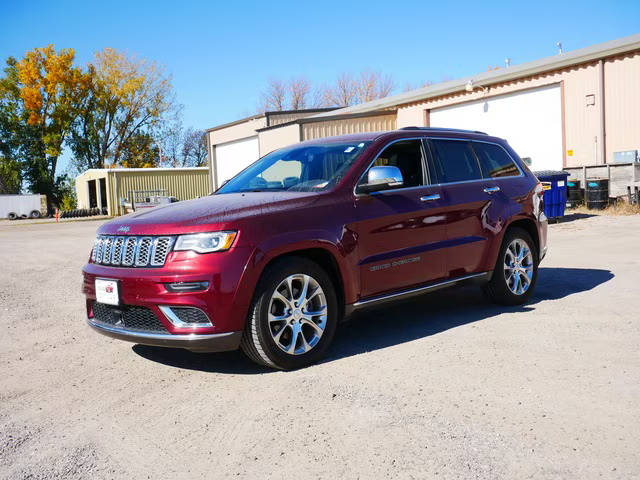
x=431 y=314
x=397 y=323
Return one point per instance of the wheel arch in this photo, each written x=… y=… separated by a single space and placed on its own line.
x=323 y=258
x=529 y=226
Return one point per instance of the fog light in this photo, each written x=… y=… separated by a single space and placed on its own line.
x=178 y=287
x=186 y=317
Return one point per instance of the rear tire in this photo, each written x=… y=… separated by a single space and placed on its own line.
x=293 y=316
x=12 y=216
x=516 y=271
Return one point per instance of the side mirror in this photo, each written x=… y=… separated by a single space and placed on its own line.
x=381 y=178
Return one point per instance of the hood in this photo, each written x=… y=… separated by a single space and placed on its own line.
x=206 y=213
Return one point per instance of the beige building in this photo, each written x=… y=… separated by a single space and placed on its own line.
x=111 y=187
x=569 y=110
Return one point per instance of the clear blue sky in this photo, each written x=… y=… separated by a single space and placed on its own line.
x=221 y=54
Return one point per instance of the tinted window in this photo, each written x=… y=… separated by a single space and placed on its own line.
x=407 y=156
x=494 y=161
x=454 y=161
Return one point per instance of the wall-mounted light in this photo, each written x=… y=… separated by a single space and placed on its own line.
x=470 y=87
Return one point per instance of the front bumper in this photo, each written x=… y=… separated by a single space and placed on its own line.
x=216 y=342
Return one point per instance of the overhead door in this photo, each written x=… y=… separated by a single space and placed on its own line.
x=531 y=121
x=232 y=157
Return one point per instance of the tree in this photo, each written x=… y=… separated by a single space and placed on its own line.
x=299 y=90
x=40 y=97
x=139 y=151
x=10 y=175
x=275 y=96
x=343 y=93
x=129 y=98
x=194 y=149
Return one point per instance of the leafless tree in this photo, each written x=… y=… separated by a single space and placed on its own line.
x=274 y=98
x=299 y=90
x=343 y=93
x=194 y=148
x=373 y=85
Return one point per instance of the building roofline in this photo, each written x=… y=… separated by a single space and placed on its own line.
x=555 y=62
x=343 y=116
x=158 y=169
x=270 y=113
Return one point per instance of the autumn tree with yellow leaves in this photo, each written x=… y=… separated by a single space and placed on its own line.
x=44 y=92
x=128 y=100
x=108 y=113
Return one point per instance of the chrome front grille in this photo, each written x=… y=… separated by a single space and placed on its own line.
x=130 y=251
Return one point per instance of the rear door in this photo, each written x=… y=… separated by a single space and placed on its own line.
x=467 y=196
x=400 y=231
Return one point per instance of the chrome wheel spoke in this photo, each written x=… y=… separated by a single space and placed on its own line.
x=518 y=266
x=288 y=316
x=278 y=334
x=315 y=313
x=314 y=325
x=277 y=318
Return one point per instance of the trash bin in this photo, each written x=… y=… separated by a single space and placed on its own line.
x=555 y=191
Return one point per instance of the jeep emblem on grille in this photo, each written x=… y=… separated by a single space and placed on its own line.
x=124 y=228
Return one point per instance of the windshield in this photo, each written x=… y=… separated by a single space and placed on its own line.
x=302 y=168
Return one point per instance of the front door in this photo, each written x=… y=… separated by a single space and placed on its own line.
x=400 y=230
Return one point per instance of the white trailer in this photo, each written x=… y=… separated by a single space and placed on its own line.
x=20 y=206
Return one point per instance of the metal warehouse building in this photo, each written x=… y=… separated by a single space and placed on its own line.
x=106 y=187
x=571 y=110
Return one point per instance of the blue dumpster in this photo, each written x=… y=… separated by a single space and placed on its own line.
x=555 y=191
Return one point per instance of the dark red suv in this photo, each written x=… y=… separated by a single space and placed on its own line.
x=306 y=235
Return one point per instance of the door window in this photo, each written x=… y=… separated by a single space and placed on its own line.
x=407 y=156
x=454 y=161
x=494 y=161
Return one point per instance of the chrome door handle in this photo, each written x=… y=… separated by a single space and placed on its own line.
x=491 y=189
x=430 y=198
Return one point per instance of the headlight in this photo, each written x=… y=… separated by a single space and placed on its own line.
x=206 y=242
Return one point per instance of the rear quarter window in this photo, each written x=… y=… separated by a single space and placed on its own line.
x=454 y=161
x=494 y=161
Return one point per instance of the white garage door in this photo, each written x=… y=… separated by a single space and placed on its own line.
x=233 y=157
x=530 y=121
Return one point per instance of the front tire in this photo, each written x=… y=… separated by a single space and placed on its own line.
x=293 y=317
x=516 y=271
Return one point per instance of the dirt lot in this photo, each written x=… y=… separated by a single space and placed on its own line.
x=447 y=386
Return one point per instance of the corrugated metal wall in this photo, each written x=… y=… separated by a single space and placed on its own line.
x=182 y=184
x=350 y=125
x=622 y=103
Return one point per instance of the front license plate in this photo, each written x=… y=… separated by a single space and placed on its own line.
x=107 y=291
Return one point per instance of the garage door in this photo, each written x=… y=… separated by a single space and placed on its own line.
x=233 y=157
x=530 y=121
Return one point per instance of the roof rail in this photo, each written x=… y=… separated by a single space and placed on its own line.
x=439 y=129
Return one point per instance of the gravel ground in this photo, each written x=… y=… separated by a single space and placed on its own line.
x=446 y=386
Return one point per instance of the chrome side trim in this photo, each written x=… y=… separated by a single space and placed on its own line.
x=157 y=336
x=418 y=290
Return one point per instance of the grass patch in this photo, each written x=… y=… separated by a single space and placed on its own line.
x=616 y=209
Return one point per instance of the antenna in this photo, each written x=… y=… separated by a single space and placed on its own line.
x=507 y=62
x=559 y=45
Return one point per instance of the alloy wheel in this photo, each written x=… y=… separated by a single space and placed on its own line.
x=297 y=314
x=518 y=266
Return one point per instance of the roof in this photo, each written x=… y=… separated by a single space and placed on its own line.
x=268 y=113
x=329 y=117
x=129 y=170
x=574 y=57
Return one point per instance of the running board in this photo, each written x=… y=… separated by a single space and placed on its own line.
x=403 y=294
